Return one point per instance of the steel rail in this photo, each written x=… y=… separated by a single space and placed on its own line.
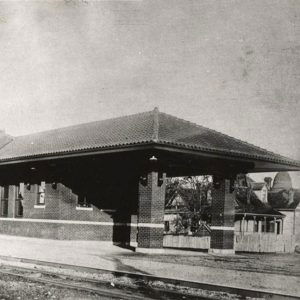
x=128 y=291
x=81 y=287
x=150 y=278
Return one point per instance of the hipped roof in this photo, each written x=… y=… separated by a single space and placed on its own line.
x=147 y=128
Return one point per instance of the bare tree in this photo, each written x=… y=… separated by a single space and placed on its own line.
x=195 y=192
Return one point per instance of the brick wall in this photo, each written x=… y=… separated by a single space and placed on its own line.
x=61 y=204
x=66 y=231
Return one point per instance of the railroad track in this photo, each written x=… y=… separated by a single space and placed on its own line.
x=105 y=292
x=89 y=285
x=142 y=290
x=99 y=287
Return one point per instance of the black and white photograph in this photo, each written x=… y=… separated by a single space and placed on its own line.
x=149 y=149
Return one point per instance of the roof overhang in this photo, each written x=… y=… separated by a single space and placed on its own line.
x=259 y=215
x=238 y=162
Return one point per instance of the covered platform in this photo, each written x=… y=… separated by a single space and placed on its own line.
x=105 y=180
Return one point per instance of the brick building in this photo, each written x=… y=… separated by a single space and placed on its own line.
x=105 y=180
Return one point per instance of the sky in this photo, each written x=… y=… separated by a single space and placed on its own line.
x=230 y=65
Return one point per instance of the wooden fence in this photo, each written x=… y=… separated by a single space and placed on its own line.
x=186 y=241
x=265 y=242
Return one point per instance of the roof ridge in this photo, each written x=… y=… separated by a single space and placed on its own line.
x=10 y=139
x=82 y=124
x=155 y=124
x=228 y=136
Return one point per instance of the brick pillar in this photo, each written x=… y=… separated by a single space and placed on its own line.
x=222 y=227
x=11 y=201
x=151 y=212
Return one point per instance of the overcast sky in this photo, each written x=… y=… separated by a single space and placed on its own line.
x=230 y=65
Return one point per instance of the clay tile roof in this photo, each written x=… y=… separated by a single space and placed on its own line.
x=4 y=139
x=138 y=129
x=134 y=129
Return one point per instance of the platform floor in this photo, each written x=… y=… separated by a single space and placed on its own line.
x=259 y=272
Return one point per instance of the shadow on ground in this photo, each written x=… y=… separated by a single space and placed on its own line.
x=142 y=284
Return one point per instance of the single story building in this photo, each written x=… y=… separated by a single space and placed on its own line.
x=258 y=220
x=105 y=180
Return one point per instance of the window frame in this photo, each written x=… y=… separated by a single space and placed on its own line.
x=4 y=201
x=41 y=193
x=83 y=204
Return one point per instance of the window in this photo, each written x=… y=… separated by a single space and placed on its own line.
x=83 y=201
x=278 y=227
x=167 y=226
x=263 y=227
x=271 y=226
x=4 y=201
x=5 y=192
x=19 y=200
x=255 y=229
x=41 y=194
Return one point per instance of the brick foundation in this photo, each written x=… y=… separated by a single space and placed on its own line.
x=150 y=237
x=222 y=234
x=68 y=231
x=222 y=239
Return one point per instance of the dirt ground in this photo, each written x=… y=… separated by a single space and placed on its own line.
x=14 y=288
x=285 y=264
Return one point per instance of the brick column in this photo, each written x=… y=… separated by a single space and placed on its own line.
x=222 y=227
x=151 y=212
x=11 y=201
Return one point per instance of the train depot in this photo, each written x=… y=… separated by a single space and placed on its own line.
x=106 y=180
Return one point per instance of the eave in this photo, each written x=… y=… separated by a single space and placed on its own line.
x=251 y=163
